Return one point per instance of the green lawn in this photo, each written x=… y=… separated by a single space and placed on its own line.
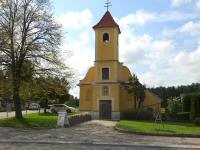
x=32 y=120
x=151 y=127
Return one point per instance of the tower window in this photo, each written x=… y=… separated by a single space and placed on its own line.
x=105 y=73
x=105 y=37
x=105 y=91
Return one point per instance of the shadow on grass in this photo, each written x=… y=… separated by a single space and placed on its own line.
x=169 y=123
x=12 y=122
x=47 y=114
x=164 y=130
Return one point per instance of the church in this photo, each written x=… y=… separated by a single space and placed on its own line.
x=101 y=91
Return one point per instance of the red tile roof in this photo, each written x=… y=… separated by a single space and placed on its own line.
x=106 y=22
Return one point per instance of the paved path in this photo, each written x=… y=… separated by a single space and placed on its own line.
x=93 y=135
x=12 y=114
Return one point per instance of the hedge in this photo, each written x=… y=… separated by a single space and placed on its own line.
x=183 y=116
x=187 y=103
x=197 y=121
x=191 y=103
x=195 y=105
x=79 y=118
x=137 y=114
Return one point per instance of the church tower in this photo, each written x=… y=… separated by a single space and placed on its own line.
x=106 y=49
x=106 y=34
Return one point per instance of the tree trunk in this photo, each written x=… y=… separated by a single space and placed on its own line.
x=16 y=97
x=17 y=103
x=46 y=105
x=135 y=102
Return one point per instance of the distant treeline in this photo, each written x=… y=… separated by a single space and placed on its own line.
x=167 y=92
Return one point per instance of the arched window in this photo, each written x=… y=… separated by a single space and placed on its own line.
x=105 y=73
x=105 y=37
x=105 y=91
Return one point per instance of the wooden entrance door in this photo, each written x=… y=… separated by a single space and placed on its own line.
x=105 y=109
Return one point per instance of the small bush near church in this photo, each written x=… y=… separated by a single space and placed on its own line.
x=79 y=118
x=195 y=105
x=137 y=114
x=187 y=103
x=197 y=121
x=183 y=116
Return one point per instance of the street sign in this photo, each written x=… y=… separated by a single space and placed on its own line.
x=62 y=119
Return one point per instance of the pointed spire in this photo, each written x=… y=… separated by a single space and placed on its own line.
x=106 y=22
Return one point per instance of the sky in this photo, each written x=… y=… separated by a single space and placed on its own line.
x=160 y=39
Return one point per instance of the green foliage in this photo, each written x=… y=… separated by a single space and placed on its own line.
x=72 y=102
x=151 y=127
x=32 y=120
x=187 y=103
x=174 y=106
x=166 y=92
x=183 y=116
x=137 y=114
x=197 y=121
x=134 y=87
x=195 y=105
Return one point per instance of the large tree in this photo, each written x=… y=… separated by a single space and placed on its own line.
x=28 y=32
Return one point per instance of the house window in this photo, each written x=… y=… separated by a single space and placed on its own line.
x=105 y=91
x=105 y=73
x=106 y=37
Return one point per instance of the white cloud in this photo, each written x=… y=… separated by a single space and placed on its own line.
x=140 y=17
x=189 y=28
x=161 y=62
x=183 y=68
x=78 y=43
x=176 y=3
x=198 y=4
x=193 y=28
x=76 y=20
x=175 y=16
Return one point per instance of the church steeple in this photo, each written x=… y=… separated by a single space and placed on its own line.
x=106 y=39
x=107 y=21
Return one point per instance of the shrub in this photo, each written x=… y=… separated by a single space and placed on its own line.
x=79 y=118
x=187 y=103
x=137 y=114
x=195 y=105
x=197 y=121
x=183 y=116
x=174 y=106
x=2 y=109
x=72 y=103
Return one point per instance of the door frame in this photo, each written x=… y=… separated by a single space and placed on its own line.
x=110 y=109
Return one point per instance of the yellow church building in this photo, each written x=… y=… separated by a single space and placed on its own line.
x=101 y=91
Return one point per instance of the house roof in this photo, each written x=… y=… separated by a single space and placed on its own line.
x=106 y=22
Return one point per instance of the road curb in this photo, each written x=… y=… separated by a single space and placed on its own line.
x=157 y=134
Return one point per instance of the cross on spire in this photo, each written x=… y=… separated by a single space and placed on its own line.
x=107 y=4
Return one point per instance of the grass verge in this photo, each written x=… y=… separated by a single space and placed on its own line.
x=32 y=120
x=152 y=128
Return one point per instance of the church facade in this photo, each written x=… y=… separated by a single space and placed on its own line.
x=101 y=91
